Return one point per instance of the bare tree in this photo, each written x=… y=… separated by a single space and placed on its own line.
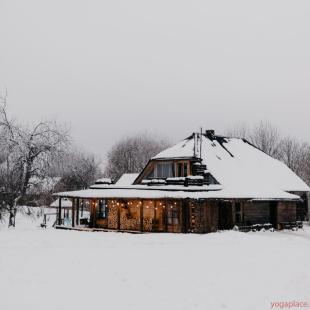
x=296 y=156
x=267 y=138
x=78 y=170
x=131 y=154
x=241 y=130
x=26 y=152
x=289 y=150
x=263 y=135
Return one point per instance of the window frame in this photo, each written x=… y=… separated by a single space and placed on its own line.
x=182 y=168
x=173 y=216
x=161 y=175
x=102 y=212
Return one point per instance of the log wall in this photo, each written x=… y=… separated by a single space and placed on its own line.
x=204 y=216
x=286 y=212
x=256 y=212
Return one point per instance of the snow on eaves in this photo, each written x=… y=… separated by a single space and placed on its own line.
x=146 y=193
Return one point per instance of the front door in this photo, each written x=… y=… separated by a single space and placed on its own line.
x=225 y=215
x=274 y=213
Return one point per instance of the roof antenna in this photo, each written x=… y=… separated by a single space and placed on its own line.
x=200 y=143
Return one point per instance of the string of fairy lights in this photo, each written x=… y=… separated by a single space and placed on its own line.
x=138 y=204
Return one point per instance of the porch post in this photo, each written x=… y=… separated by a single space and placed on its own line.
x=59 y=211
x=77 y=211
x=165 y=215
x=118 y=215
x=184 y=216
x=308 y=205
x=73 y=212
x=141 y=216
x=233 y=213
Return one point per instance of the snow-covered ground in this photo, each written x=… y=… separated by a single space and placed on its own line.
x=50 y=269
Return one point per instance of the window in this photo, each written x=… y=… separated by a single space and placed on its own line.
x=185 y=170
x=173 y=216
x=164 y=170
x=102 y=209
x=182 y=169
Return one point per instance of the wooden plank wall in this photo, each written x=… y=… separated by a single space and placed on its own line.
x=286 y=211
x=256 y=212
x=204 y=216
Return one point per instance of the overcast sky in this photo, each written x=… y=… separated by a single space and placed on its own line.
x=112 y=68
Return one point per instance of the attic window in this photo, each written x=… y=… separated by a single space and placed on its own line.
x=182 y=169
x=164 y=170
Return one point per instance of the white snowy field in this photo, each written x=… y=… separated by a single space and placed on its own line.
x=51 y=269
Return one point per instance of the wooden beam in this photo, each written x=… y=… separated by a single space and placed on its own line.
x=73 y=212
x=308 y=198
x=165 y=214
x=184 y=216
x=78 y=211
x=59 y=211
x=141 y=216
x=118 y=215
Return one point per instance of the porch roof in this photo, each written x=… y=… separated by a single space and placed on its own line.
x=156 y=193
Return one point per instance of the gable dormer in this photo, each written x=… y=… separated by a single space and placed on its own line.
x=175 y=171
x=164 y=169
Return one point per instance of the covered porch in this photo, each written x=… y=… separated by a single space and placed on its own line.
x=175 y=215
x=132 y=215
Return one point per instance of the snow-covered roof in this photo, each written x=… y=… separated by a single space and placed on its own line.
x=104 y=181
x=144 y=192
x=127 y=179
x=65 y=203
x=236 y=164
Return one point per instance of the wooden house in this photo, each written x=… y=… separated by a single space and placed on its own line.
x=203 y=184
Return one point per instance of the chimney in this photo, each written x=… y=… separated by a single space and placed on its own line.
x=210 y=134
